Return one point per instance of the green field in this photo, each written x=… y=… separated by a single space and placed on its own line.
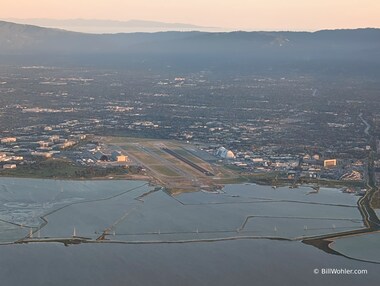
x=165 y=171
x=59 y=168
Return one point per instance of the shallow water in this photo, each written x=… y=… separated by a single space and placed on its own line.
x=93 y=207
x=24 y=201
x=240 y=211
x=365 y=247
x=246 y=262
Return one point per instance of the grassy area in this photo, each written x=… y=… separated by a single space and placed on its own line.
x=277 y=179
x=178 y=191
x=233 y=168
x=144 y=158
x=189 y=156
x=125 y=140
x=165 y=171
x=63 y=169
x=333 y=183
x=262 y=178
x=45 y=169
x=231 y=181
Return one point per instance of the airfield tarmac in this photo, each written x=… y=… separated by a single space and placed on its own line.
x=162 y=161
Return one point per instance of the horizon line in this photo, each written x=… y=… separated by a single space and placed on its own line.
x=166 y=29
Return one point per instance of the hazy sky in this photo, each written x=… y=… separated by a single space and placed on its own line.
x=237 y=14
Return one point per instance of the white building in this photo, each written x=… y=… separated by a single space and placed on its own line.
x=224 y=153
x=9 y=166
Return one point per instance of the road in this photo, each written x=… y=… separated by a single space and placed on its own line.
x=368 y=126
x=370 y=218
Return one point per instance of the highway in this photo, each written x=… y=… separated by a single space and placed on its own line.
x=368 y=126
x=370 y=218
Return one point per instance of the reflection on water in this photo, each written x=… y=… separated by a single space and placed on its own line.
x=365 y=247
x=245 y=262
x=121 y=212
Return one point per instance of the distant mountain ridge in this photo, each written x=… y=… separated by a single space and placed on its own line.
x=110 y=26
x=361 y=45
x=97 y=22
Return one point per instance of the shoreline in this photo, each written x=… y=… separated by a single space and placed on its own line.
x=322 y=243
x=104 y=178
x=243 y=180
